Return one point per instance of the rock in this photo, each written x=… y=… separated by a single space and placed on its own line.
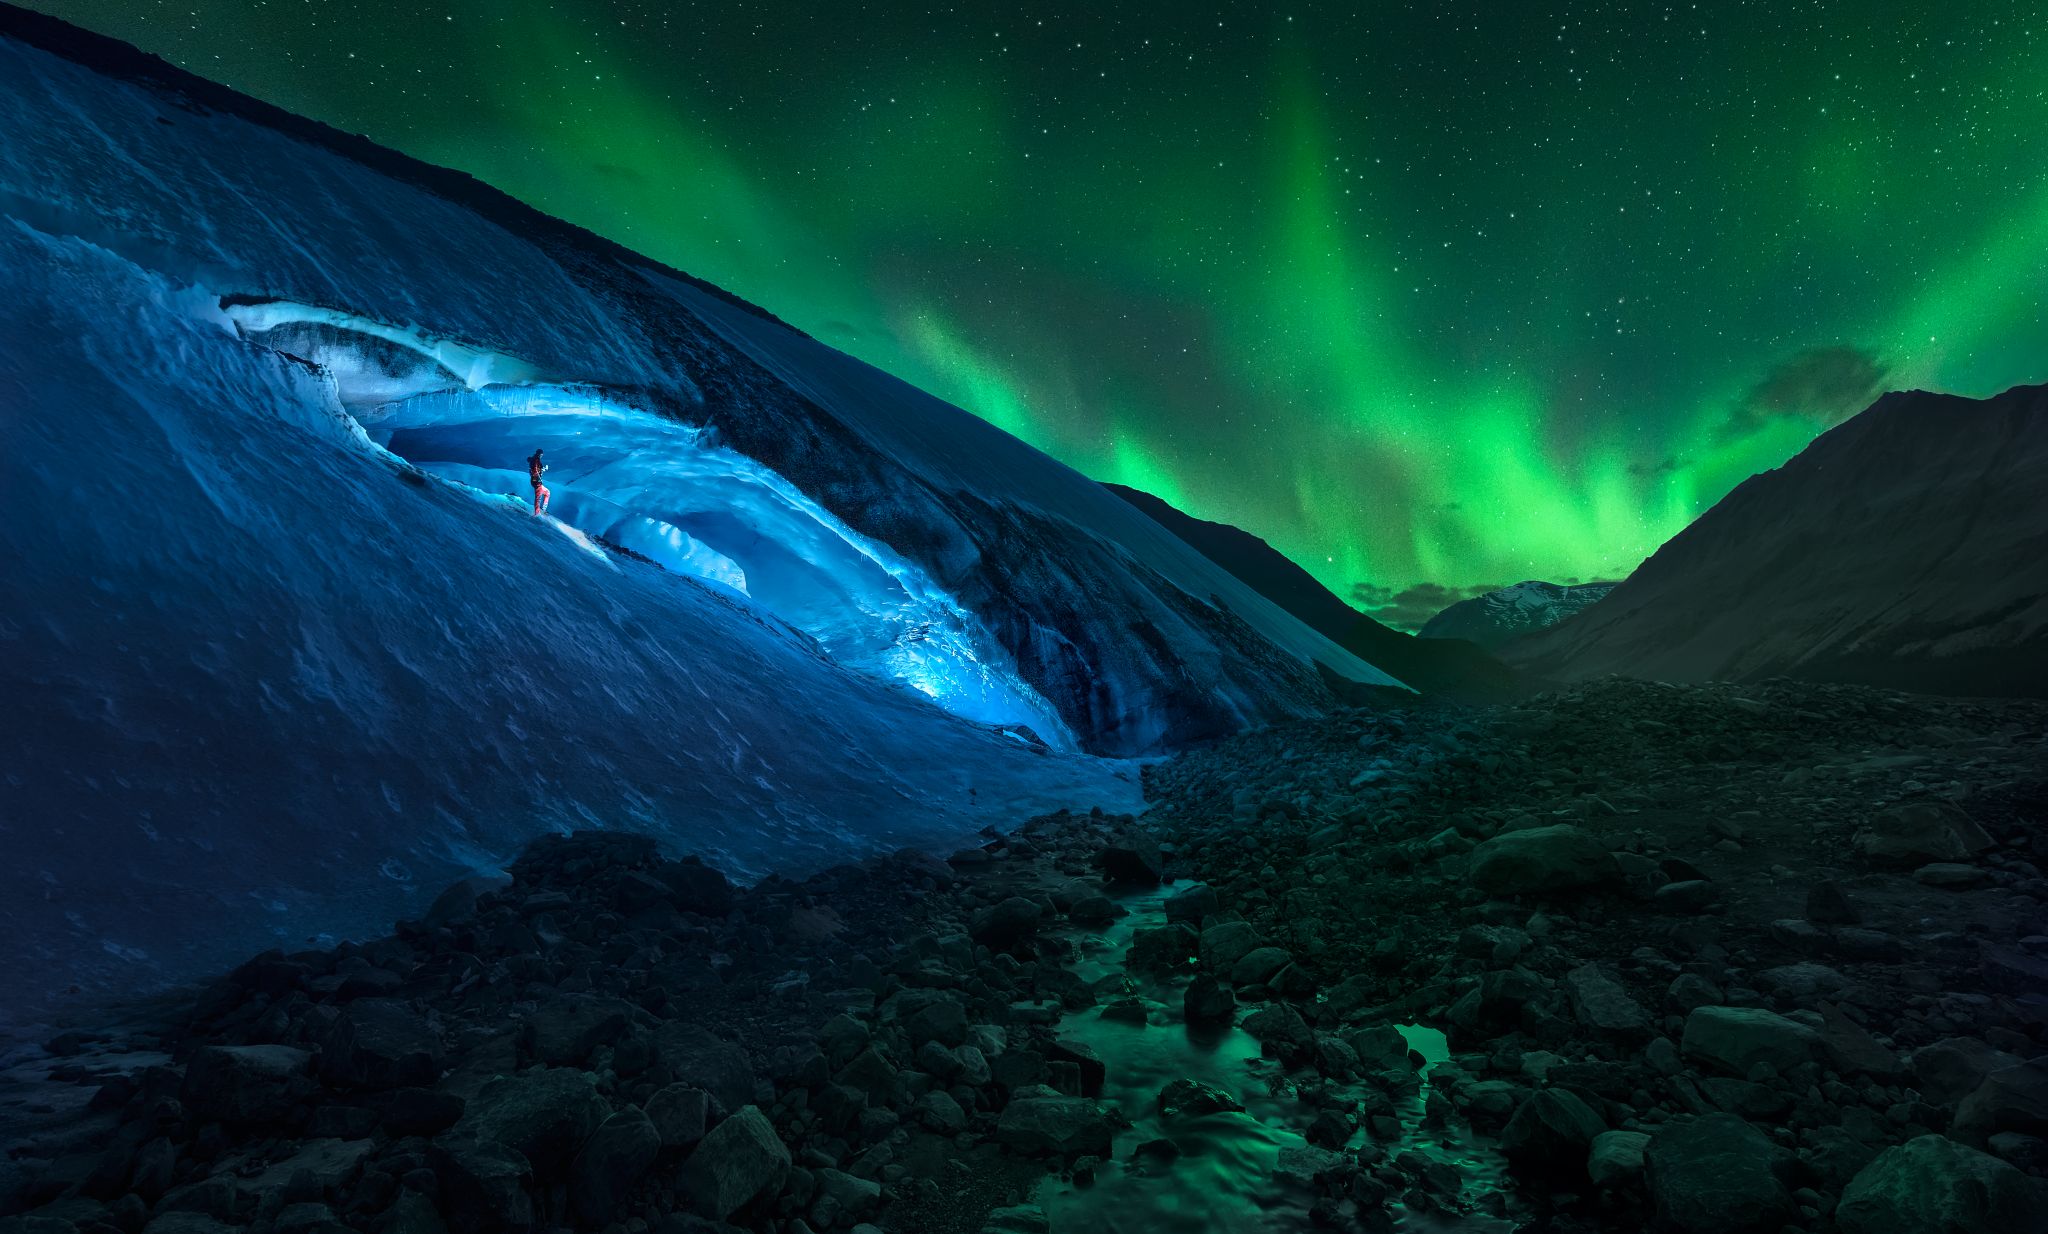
x=1551 y=1134
x=1918 y=832
x=679 y=1114
x=1059 y=1126
x=1092 y=910
x=162 y=1223
x=1192 y=1098
x=1004 y=925
x=1092 y=1070
x=741 y=1158
x=1133 y=860
x=1602 y=1005
x=1951 y=875
x=843 y=1197
x=1718 y=1175
x=1281 y=1033
x=1381 y=1048
x=1951 y=1069
x=247 y=1085
x=1735 y=1039
x=1208 y=1001
x=378 y=1043
x=1616 y=1158
x=698 y=888
x=1162 y=950
x=1257 y=966
x=563 y=1031
x=1017 y=1219
x=1694 y=895
x=1833 y=1157
x=1933 y=1185
x=942 y=1019
x=940 y=1112
x=485 y=1186
x=420 y=1111
x=1828 y=904
x=412 y=1213
x=1225 y=943
x=700 y=1059
x=1851 y=1047
x=1541 y=861
x=2011 y=1099
x=611 y=1162
x=1690 y=990
x=545 y=1115
x=1191 y=904
x=871 y=1074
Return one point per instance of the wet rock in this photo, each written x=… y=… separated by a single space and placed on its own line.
x=1257 y=966
x=1224 y=944
x=1541 y=861
x=1915 y=833
x=1192 y=1098
x=1718 y=1175
x=680 y=1114
x=1380 y=1048
x=1162 y=950
x=1602 y=1005
x=1208 y=1002
x=1017 y=1219
x=545 y=1115
x=1933 y=1185
x=1616 y=1159
x=1191 y=904
x=1735 y=1039
x=378 y=1043
x=1088 y=1065
x=485 y=1186
x=1281 y=1033
x=247 y=1085
x=611 y=1162
x=1062 y=1126
x=740 y=1159
x=1551 y=1133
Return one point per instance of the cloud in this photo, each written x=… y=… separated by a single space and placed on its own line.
x=1823 y=385
x=1409 y=607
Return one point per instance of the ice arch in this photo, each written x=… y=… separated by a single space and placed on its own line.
x=663 y=490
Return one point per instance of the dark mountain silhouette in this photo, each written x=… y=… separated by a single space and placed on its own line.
x=1450 y=667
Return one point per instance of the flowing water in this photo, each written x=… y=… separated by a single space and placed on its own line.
x=1233 y=1171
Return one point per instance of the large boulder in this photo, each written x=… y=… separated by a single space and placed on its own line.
x=1933 y=1185
x=1550 y=1134
x=2011 y=1099
x=740 y=1159
x=1918 y=832
x=1208 y=1001
x=610 y=1163
x=1192 y=1098
x=1951 y=1069
x=563 y=1031
x=1616 y=1158
x=1227 y=942
x=380 y=1043
x=486 y=1186
x=680 y=1114
x=545 y=1115
x=247 y=1085
x=698 y=1058
x=1736 y=1039
x=1054 y=1126
x=1005 y=925
x=1718 y=1175
x=1542 y=861
x=1599 y=1003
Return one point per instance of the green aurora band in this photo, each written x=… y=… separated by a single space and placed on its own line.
x=1430 y=293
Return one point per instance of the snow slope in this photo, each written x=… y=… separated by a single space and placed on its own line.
x=285 y=651
x=1906 y=547
x=1507 y=613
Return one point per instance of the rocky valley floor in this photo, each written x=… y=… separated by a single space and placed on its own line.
x=1759 y=958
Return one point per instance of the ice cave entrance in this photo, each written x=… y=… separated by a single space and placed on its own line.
x=662 y=489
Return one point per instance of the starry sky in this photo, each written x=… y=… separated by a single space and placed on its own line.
x=1433 y=296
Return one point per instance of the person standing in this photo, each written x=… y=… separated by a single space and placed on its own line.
x=540 y=491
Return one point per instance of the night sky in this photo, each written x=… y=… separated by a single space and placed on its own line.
x=1432 y=296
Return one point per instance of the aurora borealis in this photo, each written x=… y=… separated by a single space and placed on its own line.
x=1431 y=296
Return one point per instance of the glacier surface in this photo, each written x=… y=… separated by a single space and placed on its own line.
x=286 y=651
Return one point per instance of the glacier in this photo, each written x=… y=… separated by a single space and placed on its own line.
x=286 y=650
